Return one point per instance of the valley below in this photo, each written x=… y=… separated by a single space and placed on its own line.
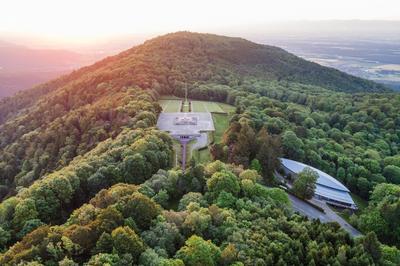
x=373 y=59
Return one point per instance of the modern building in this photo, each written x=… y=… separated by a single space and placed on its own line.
x=327 y=189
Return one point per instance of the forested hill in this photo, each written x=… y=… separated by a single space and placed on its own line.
x=253 y=59
x=183 y=57
x=85 y=177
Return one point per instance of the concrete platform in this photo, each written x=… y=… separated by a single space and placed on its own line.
x=204 y=123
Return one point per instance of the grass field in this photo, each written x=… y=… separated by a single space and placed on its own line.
x=202 y=156
x=221 y=123
x=203 y=106
x=186 y=106
x=170 y=106
x=229 y=109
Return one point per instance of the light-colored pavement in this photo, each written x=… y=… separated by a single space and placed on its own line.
x=185 y=132
x=333 y=216
x=204 y=122
x=311 y=212
x=308 y=210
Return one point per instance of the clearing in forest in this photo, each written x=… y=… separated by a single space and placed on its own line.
x=209 y=107
x=170 y=105
x=212 y=119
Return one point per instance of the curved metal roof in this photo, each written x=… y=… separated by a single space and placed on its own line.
x=323 y=178
x=338 y=195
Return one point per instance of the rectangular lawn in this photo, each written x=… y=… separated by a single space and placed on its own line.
x=203 y=106
x=170 y=106
x=221 y=123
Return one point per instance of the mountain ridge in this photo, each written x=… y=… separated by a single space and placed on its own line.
x=171 y=60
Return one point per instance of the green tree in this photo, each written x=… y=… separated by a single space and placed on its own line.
x=165 y=236
x=198 y=252
x=372 y=246
x=223 y=181
x=244 y=147
x=305 y=183
x=5 y=236
x=383 y=213
x=392 y=174
x=24 y=211
x=104 y=244
x=125 y=240
x=142 y=209
x=250 y=174
x=104 y=259
x=292 y=145
x=269 y=149
x=191 y=197
x=390 y=255
x=364 y=187
x=29 y=226
x=255 y=165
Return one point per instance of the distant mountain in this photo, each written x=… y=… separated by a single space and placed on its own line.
x=20 y=58
x=22 y=67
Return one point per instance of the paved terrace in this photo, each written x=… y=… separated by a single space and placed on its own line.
x=186 y=132
x=204 y=123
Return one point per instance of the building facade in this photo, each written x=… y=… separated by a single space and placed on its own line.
x=327 y=189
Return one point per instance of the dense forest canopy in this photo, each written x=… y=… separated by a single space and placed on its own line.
x=86 y=178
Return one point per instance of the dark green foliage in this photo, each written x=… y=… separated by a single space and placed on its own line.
x=140 y=208
x=163 y=235
x=383 y=214
x=29 y=226
x=5 y=236
x=372 y=246
x=392 y=174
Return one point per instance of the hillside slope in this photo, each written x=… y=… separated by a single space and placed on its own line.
x=66 y=145
x=170 y=61
x=65 y=110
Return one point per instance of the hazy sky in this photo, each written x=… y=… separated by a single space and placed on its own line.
x=87 y=19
